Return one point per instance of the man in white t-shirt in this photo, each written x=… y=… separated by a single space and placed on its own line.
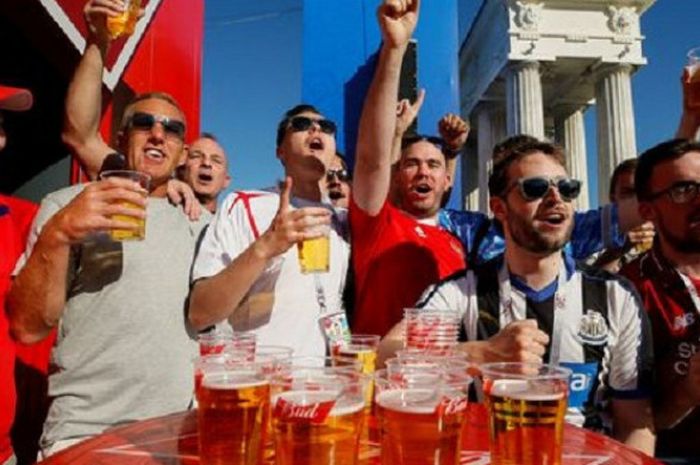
x=247 y=270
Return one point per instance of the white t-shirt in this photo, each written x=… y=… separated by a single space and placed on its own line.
x=282 y=306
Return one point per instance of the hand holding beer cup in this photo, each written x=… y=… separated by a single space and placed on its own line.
x=292 y=226
x=691 y=80
x=99 y=209
x=110 y=19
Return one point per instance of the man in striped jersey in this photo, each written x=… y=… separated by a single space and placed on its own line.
x=534 y=305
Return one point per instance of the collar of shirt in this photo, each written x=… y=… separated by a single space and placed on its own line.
x=548 y=291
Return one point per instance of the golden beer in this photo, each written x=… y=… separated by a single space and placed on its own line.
x=304 y=437
x=232 y=416
x=419 y=433
x=138 y=234
x=525 y=427
x=124 y=24
x=314 y=255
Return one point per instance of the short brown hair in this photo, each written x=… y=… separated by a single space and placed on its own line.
x=129 y=110
x=513 y=150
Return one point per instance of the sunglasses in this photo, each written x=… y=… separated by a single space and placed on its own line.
x=303 y=123
x=537 y=187
x=680 y=192
x=341 y=174
x=146 y=121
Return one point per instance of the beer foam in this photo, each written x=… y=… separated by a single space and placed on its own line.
x=232 y=380
x=520 y=389
x=419 y=401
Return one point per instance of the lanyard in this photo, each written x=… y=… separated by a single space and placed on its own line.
x=509 y=311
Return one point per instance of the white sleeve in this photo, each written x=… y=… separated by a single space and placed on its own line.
x=631 y=358
x=226 y=237
x=48 y=208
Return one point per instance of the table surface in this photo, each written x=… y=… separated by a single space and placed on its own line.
x=173 y=440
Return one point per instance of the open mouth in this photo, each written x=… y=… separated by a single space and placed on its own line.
x=554 y=219
x=316 y=143
x=422 y=189
x=154 y=154
x=335 y=195
x=204 y=177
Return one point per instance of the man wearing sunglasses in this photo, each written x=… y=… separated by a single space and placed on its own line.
x=532 y=304
x=247 y=273
x=124 y=347
x=338 y=182
x=667 y=182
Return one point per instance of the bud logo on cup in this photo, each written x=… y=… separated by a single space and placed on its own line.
x=313 y=413
x=451 y=406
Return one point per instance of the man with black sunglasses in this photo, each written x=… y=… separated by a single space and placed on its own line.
x=667 y=182
x=124 y=346
x=247 y=273
x=338 y=182
x=533 y=304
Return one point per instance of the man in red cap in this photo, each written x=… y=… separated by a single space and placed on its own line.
x=15 y=220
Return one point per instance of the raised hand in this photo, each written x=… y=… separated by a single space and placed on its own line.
x=406 y=113
x=454 y=131
x=91 y=211
x=291 y=225
x=181 y=193
x=96 y=13
x=397 y=20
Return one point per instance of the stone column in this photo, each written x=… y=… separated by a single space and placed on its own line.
x=490 y=131
x=524 y=99
x=616 y=132
x=571 y=133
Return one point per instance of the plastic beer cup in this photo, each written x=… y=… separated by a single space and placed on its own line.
x=232 y=414
x=421 y=415
x=314 y=254
x=526 y=405
x=693 y=70
x=144 y=181
x=124 y=24
x=317 y=416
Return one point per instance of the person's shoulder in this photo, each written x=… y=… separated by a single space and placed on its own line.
x=611 y=280
x=65 y=195
x=247 y=199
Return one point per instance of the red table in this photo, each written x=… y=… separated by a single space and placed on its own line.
x=173 y=440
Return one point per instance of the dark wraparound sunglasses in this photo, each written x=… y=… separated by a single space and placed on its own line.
x=679 y=192
x=341 y=174
x=146 y=121
x=537 y=187
x=303 y=123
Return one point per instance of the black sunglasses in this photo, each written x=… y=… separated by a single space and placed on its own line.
x=146 y=121
x=303 y=123
x=537 y=187
x=680 y=192
x=342 y=175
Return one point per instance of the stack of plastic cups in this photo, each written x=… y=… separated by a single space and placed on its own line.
x=432 y=330
x=218 y=341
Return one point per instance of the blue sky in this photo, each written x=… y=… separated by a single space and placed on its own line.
x=252 y=74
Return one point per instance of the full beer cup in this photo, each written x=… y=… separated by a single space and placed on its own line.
x=526 y=405
x=421 y=415
x=360 y=347
x=693 y=72
x=317 y=416
x=139 y=233
x=124 y=23
x=233 y=405
x=314 y=254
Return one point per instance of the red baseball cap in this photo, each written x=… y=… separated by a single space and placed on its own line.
x=15 y=98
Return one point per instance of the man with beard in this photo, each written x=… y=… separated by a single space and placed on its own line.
x=533 y=305
x=247 y=273
x=338 y=182
x=668 y=278
x=205 y=170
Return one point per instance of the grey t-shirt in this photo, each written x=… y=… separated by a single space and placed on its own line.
x=124 y=347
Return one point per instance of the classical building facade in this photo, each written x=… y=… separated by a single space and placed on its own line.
x=535 y=66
